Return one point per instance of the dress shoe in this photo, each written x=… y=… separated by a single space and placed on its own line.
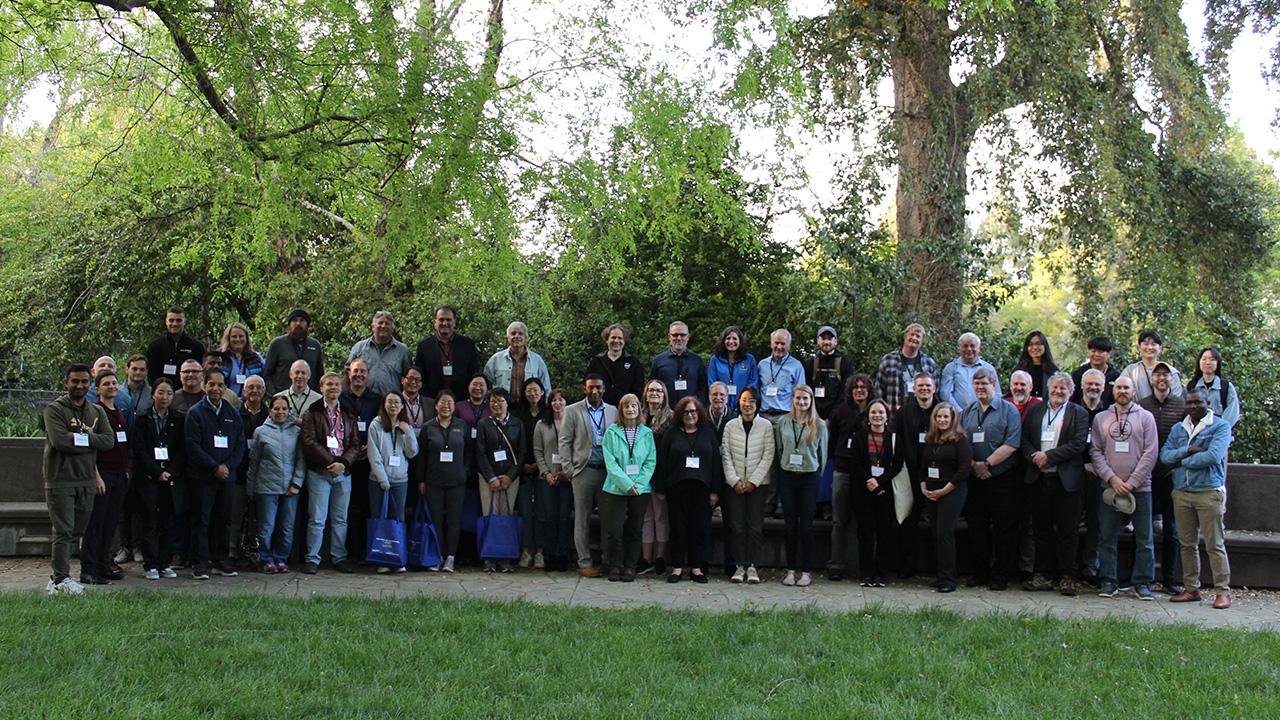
x=700 y=578
x=947 y=587
x=344 y=566
x=589 y=572
x=310 y=568
x=615 y=575
x=628 y=576
x=1186 y=596
x=1222 y=601
x=675 y=577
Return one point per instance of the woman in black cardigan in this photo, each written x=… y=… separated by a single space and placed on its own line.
x=945 y=460
x=690 y=475
x=877 y=458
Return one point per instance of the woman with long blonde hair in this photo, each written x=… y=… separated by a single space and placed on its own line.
x=801 y=439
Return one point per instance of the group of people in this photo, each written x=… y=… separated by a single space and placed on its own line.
x=215 y=449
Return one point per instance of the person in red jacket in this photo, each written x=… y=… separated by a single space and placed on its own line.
x=330 y=444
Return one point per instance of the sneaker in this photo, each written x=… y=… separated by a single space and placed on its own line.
x=168 y=573
x=68 y=586
x=645 y=568
x=946 y=586
x=804 y=580
x=1108 y=589
x=490 y=566
x=448 y=564
x=137 y=555
x=739 y=575
x=200 y=572
x=310 y=568
x=879 y=582
x=282 y=569
x=1037 y=583
x=753 y=577
x=1144 y=593
x=153 y=574
x=383 y=570
x=867 y=582
x=121 y=555
x=526 y=559
x=400 y=570
x=1067 y=586
x=269 y=568
x=539 y=562
x=1124 y=586
x=223 y=568
x=790 y=579
x=506 y=567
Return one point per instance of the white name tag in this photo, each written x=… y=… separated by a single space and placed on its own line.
x=1088 y=438
x=849 y=444
x=933 y=473
x=220 y=441
x=473 y=433
x=162 y=453
x=682 y=385
x=362 y=426
x=979 y=437
x=170 y=370
x=447 y=370
x=731 y=389
x=80 y=439
x=555 y=459
x=122 y=436
x=446 y=456
x=694 y=462
x=393 y=461
x=771 y=391
x=921 y=437
x=240 y=379
x=633 y=469
x=1122 y=446
x=1048 y=436
x=499 y=455
x=876 y=471
x=795 y=459
x=819 y=392
x=331 y=442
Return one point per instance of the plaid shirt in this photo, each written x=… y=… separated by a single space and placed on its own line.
x=889 y=384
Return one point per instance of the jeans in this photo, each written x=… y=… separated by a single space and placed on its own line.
x=943 y=516
x=69 y=511
x=95 y=551
x=799 y=495
x=213 y=527
x=1110 y=521
x=328 y=497
x=395 y=508
x=157 y=509
x=276 y=514
x=553 y=509
x=1170 y=546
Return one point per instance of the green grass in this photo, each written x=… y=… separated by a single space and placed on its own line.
x=151 y=654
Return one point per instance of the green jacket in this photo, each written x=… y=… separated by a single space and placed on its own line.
x=617 y=456
x=65 y=465
x=813 y=456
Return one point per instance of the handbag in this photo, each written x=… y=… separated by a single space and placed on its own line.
x=424 y=543
x=386 y=546
x=498 y=536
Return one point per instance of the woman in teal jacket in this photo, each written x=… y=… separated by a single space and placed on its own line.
x=630 y=456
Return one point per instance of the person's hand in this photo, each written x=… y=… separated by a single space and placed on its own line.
x=99 y=487
x=404 y=426
x=551 y=479
x=981 y=470
x=336 y=468
x=872 y=485
x=1040 y=459
x=714 y=498
x=931 y=495
x=291 y=491
x=384 y=485
x=633 y=491
x=660 y=496
x=1118 y=486
x=505 y=482
x=1194 y=449
x=166 y=478
x=495 y=485
x=221 y=472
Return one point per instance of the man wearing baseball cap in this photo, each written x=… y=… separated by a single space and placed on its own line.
x=826 y=372
x=296 y=344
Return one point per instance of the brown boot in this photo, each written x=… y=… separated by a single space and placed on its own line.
x=1188 y=595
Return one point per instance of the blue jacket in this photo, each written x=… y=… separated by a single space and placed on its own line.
x=741 y=375
x=1203 y=470
x=204 y=425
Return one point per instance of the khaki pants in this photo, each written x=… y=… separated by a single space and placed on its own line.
x=501 y=505
x=586 y=493
x=1200 y=514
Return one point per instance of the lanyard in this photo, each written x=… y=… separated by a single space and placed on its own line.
x=1120 y=430
x=796 y=431
x=632 y=434
x=1052 y=417
x=592 y=413
x=297 y=409
x=774 y=368
x=680 y=365
x=415 y=411
x=335 y=422
x=982 y=416
x=161 y=424
x=446 y=350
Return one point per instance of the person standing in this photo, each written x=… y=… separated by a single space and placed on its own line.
x=135 y=388
x=582 y=459
x=683 y=373
x=691 y=481
x=747 y=451
x=779 y=374
x=444 y=441
x=655 y=532
x=718 y=412
x=447 y=360
x=215 y=446
x=386 y=357
x=957 y=376
x=499 y=458
x=1219 y=392
x=1197 y=449
x=330 y=444
x=276 y=473
x=113 y=468
x=1095 y=386
x=911 y=423
x=534 y=407
x=1168 y=410
x=243 y=362
x=75 y=432
x=295 y=344
x=159 y=457
x=995 y=432
x=1099 y=350
x=167 y=353
x=732 y=365
x=630 y=457
x=244 y=517
x=1149 y=348
x=362 y=403
x=299 y=393
x=392 y=443
x=801 y=442
x=1124 y=452
x=843 y=426
x=509 y=368
x=1037 y=361
x=827 y=372
x=623 y=372
x=896 y=373
x=877 y=458
x=553 y=505
x=946 y=459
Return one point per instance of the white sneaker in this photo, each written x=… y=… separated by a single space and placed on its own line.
x=539 y=562
x=790 y=579
x=804 y=580
x=122 y=555
x=68 y=586
x=50 y=588
x=448 y=564
x=402 y=569
x=137 y=556
x=169 y=573
x=739 y=575
x=525 y=559
x=383 y=570
x=753 y=576
x=153 y=574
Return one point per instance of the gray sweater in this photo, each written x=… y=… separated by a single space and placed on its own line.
x=384 y=447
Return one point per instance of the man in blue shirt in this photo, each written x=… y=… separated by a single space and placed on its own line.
x=994 y=428
x=684 y=373
x=779 y=374
x=957 y=376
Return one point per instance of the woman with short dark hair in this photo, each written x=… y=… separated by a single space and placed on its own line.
x=691 y=479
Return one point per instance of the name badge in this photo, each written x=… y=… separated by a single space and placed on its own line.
x=220 y=441
x=934 y=474
x=771 y=391
x=162 y=453
x=331 y=442
x=876 y=471
x=170 y=370
x=122 y=436
x=555 y=459
x=819 y=392
x=80 y=439
x=921 y=438
x=447 y=370
x=633 y=469
x=979 y=437
x=362 y=426
x=731 y=389
x=473 y=433
x=1048 y=436
x=1088 y=438
x=446 y=456
x=795 y=459
x=394 y=461
x=682 y=385
x=240 y=379
x=499 y=455
x=693 y=462
x=849 y=444
x=1122 y=446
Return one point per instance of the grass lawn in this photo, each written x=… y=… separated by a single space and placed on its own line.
x=158 y=654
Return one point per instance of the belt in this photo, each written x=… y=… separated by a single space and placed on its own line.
x=596 y=466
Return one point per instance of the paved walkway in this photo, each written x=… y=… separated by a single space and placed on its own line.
x=1253 y=610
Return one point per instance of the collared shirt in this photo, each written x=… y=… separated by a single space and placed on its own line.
x=501 y=366
x=1212 y=396
x=992 y=428
x=777 y=380
x=387 y=363
x=299 y=403
x=1050 y=429
x=684 y=375
x=596 y=416
x=1141 y=376
x=957 y=382
x=891 y=383
x=1077 y=375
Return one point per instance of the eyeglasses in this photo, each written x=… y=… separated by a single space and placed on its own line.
x=191 y=372
x=690 y=412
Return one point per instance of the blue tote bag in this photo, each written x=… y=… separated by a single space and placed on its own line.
x=424 y=544
x=498 y=536
x=386 y=545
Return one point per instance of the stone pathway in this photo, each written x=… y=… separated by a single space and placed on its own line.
x=1252 y=610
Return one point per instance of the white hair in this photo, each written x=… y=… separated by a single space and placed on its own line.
x=1023 y=373
x=969 y=336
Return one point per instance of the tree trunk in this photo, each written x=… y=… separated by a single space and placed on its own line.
x=933 y=141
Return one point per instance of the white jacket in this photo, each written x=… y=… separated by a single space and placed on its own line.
x=747 y=458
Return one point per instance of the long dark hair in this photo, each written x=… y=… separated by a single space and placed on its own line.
x=719 y=350
x=1195 y=377
x=544 y=405
x=1046 y=361
x=386 y=420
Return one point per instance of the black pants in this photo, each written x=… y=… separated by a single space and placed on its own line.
x=1056 y=519
x=877 y=526
x=621 y=527
x=186 y=510
x=994 y=511
x=943 y=516
x=908 y=533
x=95 y=551
x=689 y=512
x=358 y=510
x=446 y=511
x=744 y=526
x=213 y=524
x=1170 y=546
x=553 y=508
x=157 y=511
x=799 y=495
x=1090 y=496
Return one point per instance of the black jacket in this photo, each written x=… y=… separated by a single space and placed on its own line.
x=464 y=359
x=675 y=446
x=164 y=351
x=890 y=462
x=1068 y=456
x=146 y=438
x=621 y=376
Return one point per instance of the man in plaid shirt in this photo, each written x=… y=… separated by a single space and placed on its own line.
x=896 y=374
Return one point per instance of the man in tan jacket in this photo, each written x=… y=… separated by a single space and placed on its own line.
x=582 y=457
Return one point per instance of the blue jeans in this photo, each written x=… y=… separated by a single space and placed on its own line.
x=327 y=499
x=395 y=508
x=275 y=526
x=1110 y=521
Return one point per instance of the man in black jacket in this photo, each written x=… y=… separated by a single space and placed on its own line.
x=447 y=359
x=826 y=372
x=296 y=344
x=166 y=353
